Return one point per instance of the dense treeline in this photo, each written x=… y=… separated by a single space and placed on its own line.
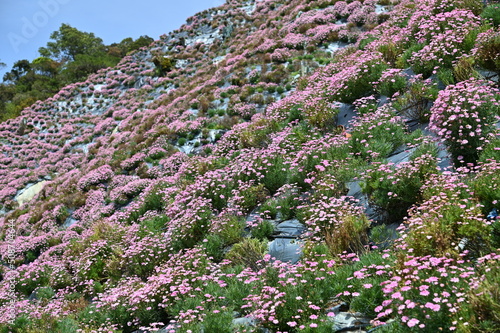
x=69 y=57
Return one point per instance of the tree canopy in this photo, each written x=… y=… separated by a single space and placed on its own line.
x=70 y=56
x=68 y=42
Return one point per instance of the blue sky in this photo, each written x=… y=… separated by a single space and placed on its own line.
x=26 y=25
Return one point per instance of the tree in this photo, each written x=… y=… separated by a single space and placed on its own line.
x=69 y=42
x=128 y=44
x=20 y=69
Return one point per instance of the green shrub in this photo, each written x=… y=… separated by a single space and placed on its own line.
x=376 y=135
x=391 y=82
x=252 y=196
x=181 y=141
x=415 y=102
x=263 y=230
x=395 y=188
x=248 y=253
x=492 y=14
x=45 y=293
x=218 y=321
x=491 y=151
x=361 y=84
x=447 y=214
x=488 y=50
x=214 y=247
x=163 y=64
x=485 y=301
x=486 y=185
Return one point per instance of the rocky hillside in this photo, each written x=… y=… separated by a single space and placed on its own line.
x=270 y=166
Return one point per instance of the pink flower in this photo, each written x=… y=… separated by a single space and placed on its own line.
x=432 y=306
x=412 y=322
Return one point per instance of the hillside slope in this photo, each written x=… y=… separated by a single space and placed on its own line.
x=271 y=166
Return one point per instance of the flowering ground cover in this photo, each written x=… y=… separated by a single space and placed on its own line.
x=169 y=180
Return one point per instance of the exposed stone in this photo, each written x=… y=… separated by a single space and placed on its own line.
x=285 y=249
x=338 y=308
x=29 y=192
x=290 y=228
x=348 y=321
x=355 y=191
x=400 y=155
x=245 y=321
x=345 y=115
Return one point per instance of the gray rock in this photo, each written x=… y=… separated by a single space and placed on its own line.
x=245 y=321
x=444 y=158
x=285 y=250
x=400 y=156
x=355 y=191
x=346 y=113
x=338 y=308
x=489 y=75
x=385 y=237
x=69 y=222
x=347 y=321
x=290 y=228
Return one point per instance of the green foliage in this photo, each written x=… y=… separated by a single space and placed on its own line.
x=182 y=141
x=362 y=84
x=68 y=42
x=488 y=50
x=70 y=56
x=492 y=14
x=163 y=64
x=263 y=231
x=128 y=45
x=21 y=324
x=391 y=86
x=426 y=148
x=415 y=102
x=402 y=60
x=377 y=135
x=486 y=186
x=154 y=225
x=491 y=151
x=295 y=113
x=283 y=206
x=152 y=201
x=395 y=189
x=248 y=253
x=45 y=293
x=368 y=298
x=218 y=321
x=252 y=196
x=214 y=246
x=364 y=42
x=86 y=64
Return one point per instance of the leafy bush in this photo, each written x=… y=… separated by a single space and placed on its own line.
x=375 y=135
x=396 y=188
x=486 y=185
x=181 y=141
x=492 y=14
x=263 y=230
x=464 y=116
x=338 y=222
x=391 y=81
x=485 y=299
x=415 y=102
x=491 y=151
x=248 y=253
x=487 y=50
x=446 y=216
x=163 y=64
